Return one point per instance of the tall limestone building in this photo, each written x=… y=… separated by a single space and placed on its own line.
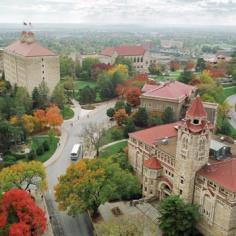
x=27 y=63
x=178 y=158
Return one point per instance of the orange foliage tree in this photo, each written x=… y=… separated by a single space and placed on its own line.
x=120 y=116
x=133 y=96
x=53 y=116
x=19 y=215
x=40 y=116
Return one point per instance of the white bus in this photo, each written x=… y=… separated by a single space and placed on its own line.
x=77 y=152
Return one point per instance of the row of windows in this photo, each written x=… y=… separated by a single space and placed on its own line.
x=150 y=190
x=169 y=173
x=165 y=158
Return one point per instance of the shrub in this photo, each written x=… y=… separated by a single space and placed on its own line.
x=116 y=134
x=32 y=155
x=9 y=160
x=46 y=146
x=39 y=150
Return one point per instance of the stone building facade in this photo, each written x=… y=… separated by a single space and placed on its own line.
x=174 y=159
x=139 y=56
x=27 y=64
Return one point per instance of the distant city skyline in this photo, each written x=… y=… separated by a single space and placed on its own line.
x=149 y=12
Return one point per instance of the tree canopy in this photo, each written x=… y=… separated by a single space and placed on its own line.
x=90 y=183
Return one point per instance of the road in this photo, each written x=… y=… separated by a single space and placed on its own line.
x=232 y=101
x=62 y=223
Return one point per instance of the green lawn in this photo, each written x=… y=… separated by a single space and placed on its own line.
x=67 y=113
x=228 y=92
x=113 y=149
x=52 y=144
x=113 y=134
x=173 y=75
x=79 y=84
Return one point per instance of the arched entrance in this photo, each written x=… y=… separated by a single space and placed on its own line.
x=164 y=190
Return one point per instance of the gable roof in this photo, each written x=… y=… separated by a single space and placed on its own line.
x=170 y=90
x=148 y=87
x=222 y=173
x=129 y=50
x=151 y=135
x=26 y=49
x=196 y=109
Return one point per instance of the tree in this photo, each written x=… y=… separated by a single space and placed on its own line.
x=133 y=96
x=36 y=98
x=120 y=116
x=186 y=76
x=40 y=116
x=87 y=95
x=129 y=127
x=201 y=65
x=125 y=61
x=177 y=218
x=67 y=66
x=224 y=110
x=53 y=116
x=174 y=65
x=28 y=123
x=19 y=215
x=105 y=86
x=22 y=175
x=87 y=65
x=154 y=119
x=43 y=92
x=168 y=115
x=224 y=127
x=93 y=134
x=119 y=105
x=141 y=117
x=58 y=97
x=23 y=100
x=90 y=183
x=110 y=112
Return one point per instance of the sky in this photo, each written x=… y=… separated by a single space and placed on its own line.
x=146 y=12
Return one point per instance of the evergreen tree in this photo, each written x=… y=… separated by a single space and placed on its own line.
x=141 y=117
x=201 y=65
x=58 y=97
x=129 y=127
x=168 y=115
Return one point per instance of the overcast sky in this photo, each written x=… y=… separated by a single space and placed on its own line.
x=152 y=12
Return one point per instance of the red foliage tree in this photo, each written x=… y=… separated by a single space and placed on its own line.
x=132 y=96
x=190 y=65
x=174 y=65
x=98 y=68
x=20 y=215
x=53 y=116
x=217 y=72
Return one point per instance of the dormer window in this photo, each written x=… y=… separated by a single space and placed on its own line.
x=195 y=122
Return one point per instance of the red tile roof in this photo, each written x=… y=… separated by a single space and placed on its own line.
x=132 y=50
x=148 y=87
x=151 y=135
x=222 y=173
x=33 y=49
x=196 y=109
x=171 y=90
x=152 y=163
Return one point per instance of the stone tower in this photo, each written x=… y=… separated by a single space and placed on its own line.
x=192 y=152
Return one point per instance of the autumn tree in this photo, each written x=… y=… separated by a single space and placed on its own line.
x=224 y=110
x=174 y=65
x=22 y=175
x=93 y=134
x=19 y=214
x=90 y=183
x=133 y=96
x=40 y=116
x=120 y=116
x=53 y=116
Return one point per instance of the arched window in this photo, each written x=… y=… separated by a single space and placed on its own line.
x=184 y=142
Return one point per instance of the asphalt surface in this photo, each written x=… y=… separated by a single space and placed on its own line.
x=62 y=223
x=232 y=101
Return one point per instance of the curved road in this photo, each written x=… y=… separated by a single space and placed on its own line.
x=63 y=224
x=232 y=101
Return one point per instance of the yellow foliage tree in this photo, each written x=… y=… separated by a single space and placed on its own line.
x=120 y=67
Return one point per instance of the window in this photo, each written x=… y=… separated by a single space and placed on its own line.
x=145 y=189
x=151 y=181
x=138 y=59
x=42 y=59
x=43 y=71
x=181 y=179
x=180 y=191
x=42 y=65
x=195 y=121
x=135 y=59
x=150 y=191
x=141 y=59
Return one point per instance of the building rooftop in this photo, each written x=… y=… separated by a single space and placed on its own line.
x=129 y=50
x=215 y=145
x=152 y=163
x=150 y=136
x=222 y=173
x=196 y=109
x=28 y=47
x=170 y=90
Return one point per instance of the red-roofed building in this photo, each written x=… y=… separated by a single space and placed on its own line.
x=171 y=94
x=173 y=159
x=136 y=53
x=27 y=63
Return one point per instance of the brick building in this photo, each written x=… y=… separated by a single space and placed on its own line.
x=137 y=54
x=27 y=63
x=174 y=158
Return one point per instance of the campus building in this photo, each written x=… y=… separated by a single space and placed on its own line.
x=176 y=95
x=137 y=54
x=175 y=159
x=27 y=63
